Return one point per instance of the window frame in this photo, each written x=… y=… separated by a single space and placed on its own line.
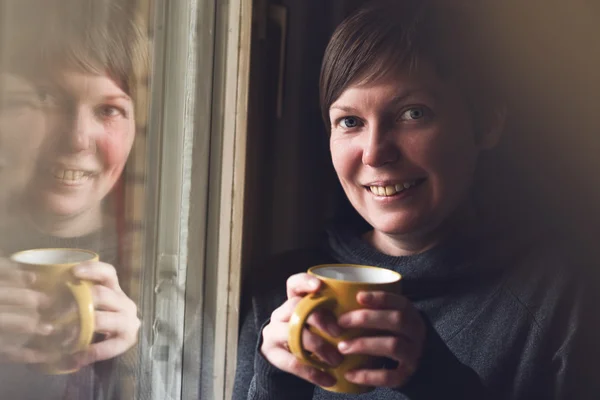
x=195 y=186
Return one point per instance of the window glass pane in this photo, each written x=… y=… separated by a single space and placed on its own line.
x=74 y=84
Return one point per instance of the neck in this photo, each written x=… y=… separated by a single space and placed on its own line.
x=397 y=245
x=68 y=226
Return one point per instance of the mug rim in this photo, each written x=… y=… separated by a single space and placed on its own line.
x=312 y=270
x=93 y=256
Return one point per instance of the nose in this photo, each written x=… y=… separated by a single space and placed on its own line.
x=82 y=131
x=379 y=148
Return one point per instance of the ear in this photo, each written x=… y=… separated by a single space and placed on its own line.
x=492 y=130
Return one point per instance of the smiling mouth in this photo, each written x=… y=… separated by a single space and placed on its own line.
x=71 y=176
x=392 y=190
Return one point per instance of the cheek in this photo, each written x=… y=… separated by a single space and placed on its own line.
x=115 y=147
x=22 y=136
x=454 y=160
x=345 y=158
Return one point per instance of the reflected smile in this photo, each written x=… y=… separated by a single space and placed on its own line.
x=71 y=176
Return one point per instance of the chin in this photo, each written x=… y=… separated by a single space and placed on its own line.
x=64 y=207
x=396 y=223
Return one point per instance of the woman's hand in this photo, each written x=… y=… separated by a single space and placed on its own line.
x=116 y=314
x=19 y=314
x=275 y=335
x=401 y=339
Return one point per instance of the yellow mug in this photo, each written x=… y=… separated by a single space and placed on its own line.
x=72 y=310
x=341 y=284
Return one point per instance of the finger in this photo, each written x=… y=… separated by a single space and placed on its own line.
x=12 y=276
x=100 y=273
x=25 y=298
x=107 y=299
x=117 y=325
x=322 y=320
x=302 y=284
x=325 y=321
x=382 y=300
x=23 y=323
x=396 y=322
x=104 y=350
x=381 y=377
x=27 y=356
x=394 y=347
x=284 y=312
x=321 y=348
x=276 y=337
x=287 y=362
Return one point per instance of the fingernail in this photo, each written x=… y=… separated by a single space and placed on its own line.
x=313 y=283
x=349 y=375
x=343 y=346
x=45 y=329
x=80 y=269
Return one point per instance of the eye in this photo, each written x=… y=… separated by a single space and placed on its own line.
x=349 y=122
x=109 y=112
x=19 y=104
x=413 y=113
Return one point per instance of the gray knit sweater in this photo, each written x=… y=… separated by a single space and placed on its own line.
x=505 y=321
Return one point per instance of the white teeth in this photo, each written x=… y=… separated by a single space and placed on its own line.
x=70 y=175
x=391 y=190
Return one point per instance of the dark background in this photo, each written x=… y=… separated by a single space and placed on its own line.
x=545 y=172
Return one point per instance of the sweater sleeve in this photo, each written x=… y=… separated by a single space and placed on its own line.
x=441 y=375
x=256 y=378
x=576 y=362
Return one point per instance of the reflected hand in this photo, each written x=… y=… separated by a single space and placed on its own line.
x=401 y=339
x=116 y=314
x=19 y=314
x=275 y=335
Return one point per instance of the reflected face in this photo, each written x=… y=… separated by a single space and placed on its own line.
x=91 y=134
x=22 y=130
x=404 y=151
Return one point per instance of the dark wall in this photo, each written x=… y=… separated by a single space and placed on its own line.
x=546 y=171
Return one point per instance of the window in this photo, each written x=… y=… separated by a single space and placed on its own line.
x=122 y=129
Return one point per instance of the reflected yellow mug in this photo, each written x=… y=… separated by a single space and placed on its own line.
x=72 y=310
x=341 y=284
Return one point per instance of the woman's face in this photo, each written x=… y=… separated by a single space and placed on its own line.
x=404 y=151
x=91 y=131
x=23 y=126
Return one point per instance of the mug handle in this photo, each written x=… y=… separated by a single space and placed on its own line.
x=304 y=308
x=82 y=292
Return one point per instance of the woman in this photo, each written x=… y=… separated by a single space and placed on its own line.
x=484 y=312
x=87 y=57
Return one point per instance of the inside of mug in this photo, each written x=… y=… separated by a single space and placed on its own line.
x=52 y=256
x=357 y=274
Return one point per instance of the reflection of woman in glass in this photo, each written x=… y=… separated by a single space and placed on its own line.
x=486 y=312
x=89 y=52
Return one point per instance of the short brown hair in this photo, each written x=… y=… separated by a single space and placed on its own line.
x=390 y=34
x=93 y=36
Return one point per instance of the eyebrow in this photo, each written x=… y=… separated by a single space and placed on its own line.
x=395 y=100
x=117 y=97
